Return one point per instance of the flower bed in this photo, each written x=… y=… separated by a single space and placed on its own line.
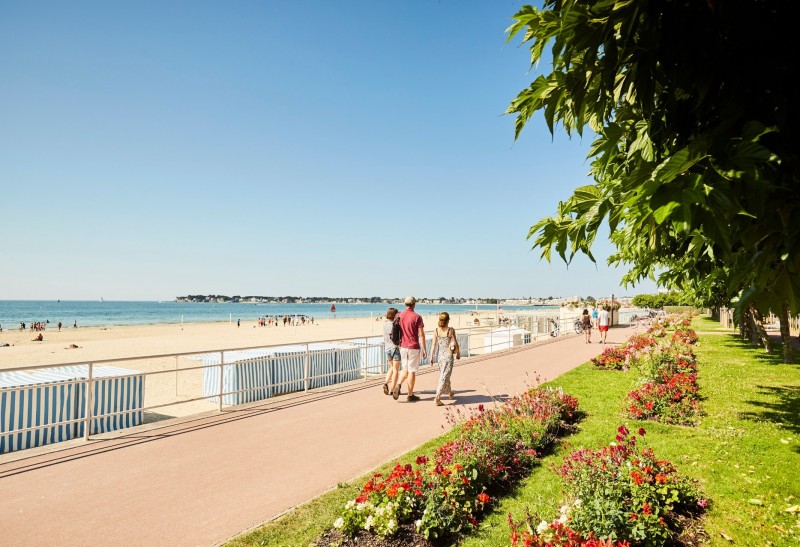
x=619 y=495
x=612 y=358
x=667 y=369
x=446 y=495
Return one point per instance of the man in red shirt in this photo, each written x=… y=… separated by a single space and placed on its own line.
x=413 y=331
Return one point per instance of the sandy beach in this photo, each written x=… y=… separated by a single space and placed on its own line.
x=175 y=383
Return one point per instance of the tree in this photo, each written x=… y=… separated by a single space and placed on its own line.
x=695 y=163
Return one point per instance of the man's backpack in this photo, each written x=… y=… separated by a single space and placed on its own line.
x=397 y=334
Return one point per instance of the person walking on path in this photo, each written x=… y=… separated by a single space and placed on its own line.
x=594 y=317
x=586 y=324
x=413 y=333
x=445 y=348
x=602 y=323
x=392 y=352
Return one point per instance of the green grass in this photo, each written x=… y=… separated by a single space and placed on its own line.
x=745 y=453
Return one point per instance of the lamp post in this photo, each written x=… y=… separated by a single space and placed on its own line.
x=612 y=309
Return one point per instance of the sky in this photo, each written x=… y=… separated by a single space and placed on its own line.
x=155 y=149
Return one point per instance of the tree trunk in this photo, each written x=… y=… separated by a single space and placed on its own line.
x=759 y=332
x=788 y=351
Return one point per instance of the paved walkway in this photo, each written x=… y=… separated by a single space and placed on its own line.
x=202 y=481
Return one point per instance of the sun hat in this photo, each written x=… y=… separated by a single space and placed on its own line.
x=410 y=301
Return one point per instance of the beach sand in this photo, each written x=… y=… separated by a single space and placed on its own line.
x=174 y=383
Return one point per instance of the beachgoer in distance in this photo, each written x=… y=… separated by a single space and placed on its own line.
x=445 y=348
x=59 y=326
x=410 y=349
x=392 y=352
x=38 y=338
x=74 y=324
x=586 y=323
x=602 y=323
x=238 y=322
x=594 y=316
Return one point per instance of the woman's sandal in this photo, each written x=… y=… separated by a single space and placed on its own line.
x=386 y=389
x=438 y=401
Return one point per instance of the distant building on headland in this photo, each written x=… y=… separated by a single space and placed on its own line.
x=223 y=299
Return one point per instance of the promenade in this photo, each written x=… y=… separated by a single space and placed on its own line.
x=204 y=480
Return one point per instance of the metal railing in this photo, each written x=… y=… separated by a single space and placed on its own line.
x=271 y=362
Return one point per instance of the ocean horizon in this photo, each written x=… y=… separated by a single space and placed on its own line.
x=121 y=313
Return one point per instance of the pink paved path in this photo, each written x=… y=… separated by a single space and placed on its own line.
x=206 y=480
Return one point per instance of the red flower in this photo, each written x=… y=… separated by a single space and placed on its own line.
x=483 y=497
x=641 y=432
x=422 y=460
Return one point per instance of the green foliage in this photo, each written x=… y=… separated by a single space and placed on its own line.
x=660 y=300
x=695 y=163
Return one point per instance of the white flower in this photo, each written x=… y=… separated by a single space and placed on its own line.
x=418 y=523
x=562 y=519
x=392 y=525
x=339 y=523
x=577 y=502
x=564 y=509
x=368 y=524
x=612 y=443
x=350 y=504
x=543 y=526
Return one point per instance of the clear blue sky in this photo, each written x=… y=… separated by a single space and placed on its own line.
x=156 y=149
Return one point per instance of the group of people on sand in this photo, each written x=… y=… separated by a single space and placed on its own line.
x=404 y=358
x=42 y=325
x=598 y=319
x=286 y=320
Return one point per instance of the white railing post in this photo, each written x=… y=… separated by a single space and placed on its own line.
x=221 y=374
x=307 y=369
x=366 y=357
x=87 y=429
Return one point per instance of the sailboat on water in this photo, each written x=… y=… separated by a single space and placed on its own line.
x=101 y=299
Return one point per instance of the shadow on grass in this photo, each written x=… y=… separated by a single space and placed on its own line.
x=783 y=409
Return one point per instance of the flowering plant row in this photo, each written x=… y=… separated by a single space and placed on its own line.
x=668 y=390
x=620 y=495
x=667 y=368
x=445 y=495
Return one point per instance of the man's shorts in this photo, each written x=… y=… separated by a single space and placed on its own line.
x=409 y=359
x=393 y=354
x=603 y=328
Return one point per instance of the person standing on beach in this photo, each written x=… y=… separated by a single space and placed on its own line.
x=602 y=323
x=413 y=332
x=75 y=324
x=392 y=352
x=59 y=326
x=586 y=323
x=445 y=347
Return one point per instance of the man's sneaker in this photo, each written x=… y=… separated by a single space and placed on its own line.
x=396 y=392
x=412 y=398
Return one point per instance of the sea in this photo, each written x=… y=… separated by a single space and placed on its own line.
x=120 y=313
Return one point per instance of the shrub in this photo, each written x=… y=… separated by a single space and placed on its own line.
x=612 y=358
x=618 y=494
x=672 y=399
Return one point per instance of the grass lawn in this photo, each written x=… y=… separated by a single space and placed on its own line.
x=745 y=453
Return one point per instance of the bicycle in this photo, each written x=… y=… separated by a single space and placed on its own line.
x=578 y=326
